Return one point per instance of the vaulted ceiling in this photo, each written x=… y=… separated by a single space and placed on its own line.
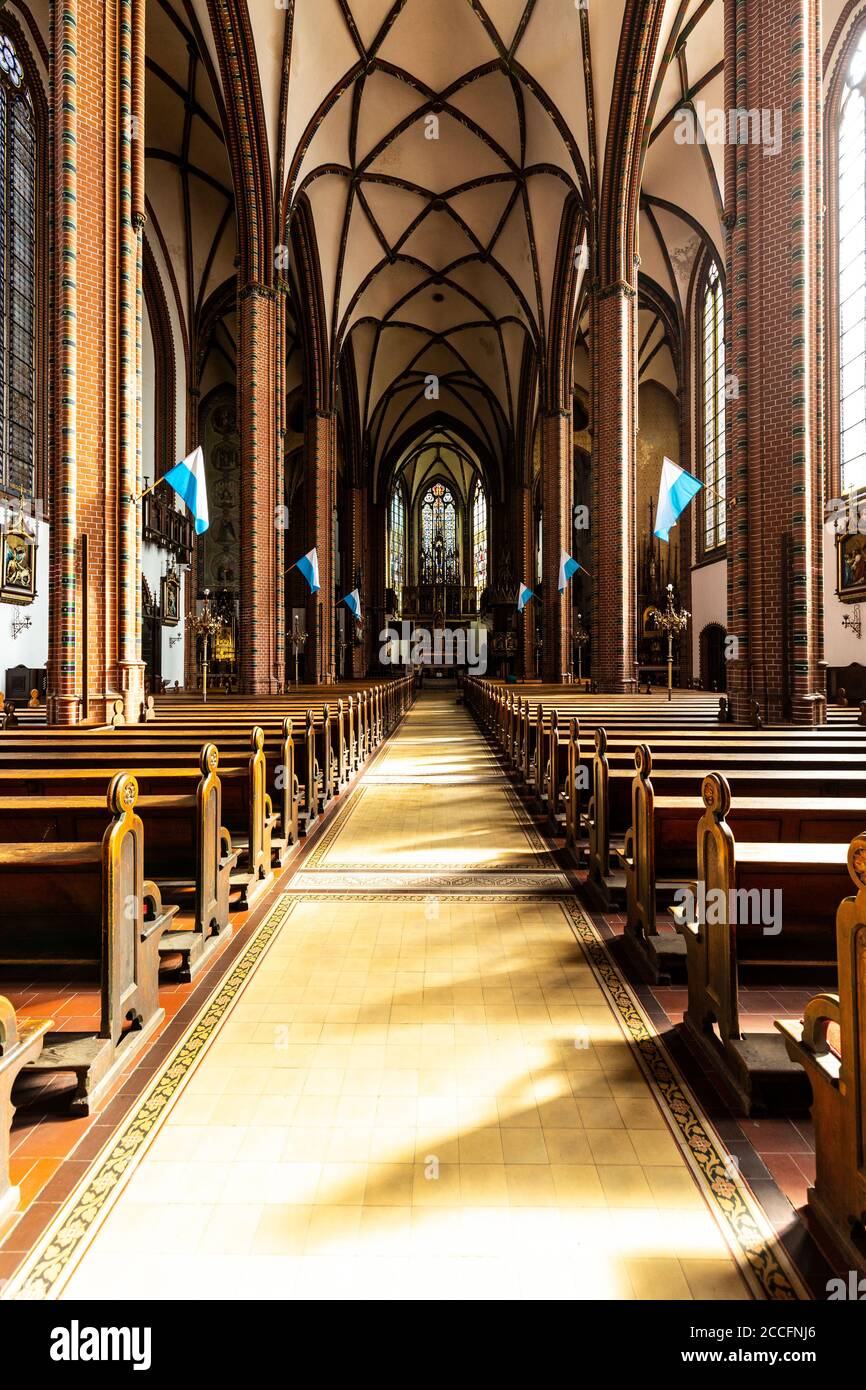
x=437 y=146
x=437 y=255
x=192 y=228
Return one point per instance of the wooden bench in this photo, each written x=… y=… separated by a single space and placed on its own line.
x=830 y=1044
x=811 y=879
x=85 y=911
x=247 y=810
x=609 y=811
x=188 y=851
x=20 y=1044
x=658 y=856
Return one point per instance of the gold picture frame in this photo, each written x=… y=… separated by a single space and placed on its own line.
x=170 y=600
x=18 y=545
x=851 y=567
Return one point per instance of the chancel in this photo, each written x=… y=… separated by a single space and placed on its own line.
x=433 y=733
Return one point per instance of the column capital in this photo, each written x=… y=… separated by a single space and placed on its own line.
x=255 y=290
x=616 y=287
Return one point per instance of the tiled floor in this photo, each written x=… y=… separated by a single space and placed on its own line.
x=417 y=1095
x=784 y=1149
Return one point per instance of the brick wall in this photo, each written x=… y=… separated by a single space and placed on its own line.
x=775 y=289
x=614 y=338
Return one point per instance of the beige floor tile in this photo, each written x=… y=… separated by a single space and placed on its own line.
x=530 y=1185
x=625 y=1185
x=524 y=1146
x=281 y=1231
x=714 y=1280
x=483 y=1185
x=389 y=1184
x=611 y=1146
x=425 y=1097
x=658 y=1280
x=481 y=1146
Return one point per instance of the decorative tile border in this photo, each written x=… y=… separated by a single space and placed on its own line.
x=59 y=1250
x=764 y=1265
x=371 y=878
x=752 y=1240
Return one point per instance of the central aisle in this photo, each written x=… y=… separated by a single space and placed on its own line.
x=406 y=1091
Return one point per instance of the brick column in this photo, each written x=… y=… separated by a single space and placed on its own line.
x=557 y=488
x=319 y=484
x=377 y=552
x=193 y=401
x=614 y=440
x=94 y=652
x=524 y=560
x=64 y=676
x=257 y=315
x=775 y=318
x=357 y=535
x=281 y=664
x=130 y=208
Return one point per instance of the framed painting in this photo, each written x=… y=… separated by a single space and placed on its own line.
x=17 y=563
x=170 y=600
x=851 y=567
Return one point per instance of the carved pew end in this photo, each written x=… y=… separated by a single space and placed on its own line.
x=21 y=1041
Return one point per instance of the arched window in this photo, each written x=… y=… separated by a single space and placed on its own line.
x=440 y=557
x=852 y=271
x=713 y=408
x=17 y=274
x=479 y=539
x=397 y=542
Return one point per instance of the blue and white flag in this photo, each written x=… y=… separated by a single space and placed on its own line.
x=676 y=490
x=353 y=603
x=523 y=597
x=188 y=480
x=568 y=567
x=309 y=567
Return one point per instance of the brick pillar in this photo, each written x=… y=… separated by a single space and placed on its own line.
x=281 y=664
x=64 y=675
x=557 y=489
x=524 y=560
x=257 y=314
x=319 y=485
x=94 y=630
x=130 y=209
x=775 y=318
x=377 y=552
x=357 y=551
x=614 y=453
x=193 y=401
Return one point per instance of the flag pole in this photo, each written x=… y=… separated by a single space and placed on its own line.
x=134 y=500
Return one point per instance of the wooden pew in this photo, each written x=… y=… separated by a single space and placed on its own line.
x=812 y=879
x=609 y=812
x=86 y=911
x=20 y=1043
x=138 y=744
x=247 y=809
x=830 y=1044
x=188 y=851
x=658 y=857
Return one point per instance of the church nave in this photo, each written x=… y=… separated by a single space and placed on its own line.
x=405 y=1091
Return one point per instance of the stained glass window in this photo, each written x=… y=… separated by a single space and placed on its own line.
x=852 y=271
x=17 y=273
x=397 y=543
x=713 y=329
x=479 y=539
x=440 y=558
